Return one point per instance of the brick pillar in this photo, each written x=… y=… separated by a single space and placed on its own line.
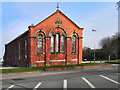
x=48 y=51
x=32 y=58
x=80 y=51
x=68 y=47
x=65 y=50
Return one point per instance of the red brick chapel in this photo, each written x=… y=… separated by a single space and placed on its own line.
x=56 y=40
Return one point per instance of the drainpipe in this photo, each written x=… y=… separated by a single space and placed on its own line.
x=45 y=52
x=78 y=51
x=66 y=51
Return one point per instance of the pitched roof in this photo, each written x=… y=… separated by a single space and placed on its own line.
x=69 y=19
x=43 y=21
x=62 y=14
x=18 y=37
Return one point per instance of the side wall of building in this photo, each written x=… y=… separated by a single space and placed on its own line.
x=17 y=51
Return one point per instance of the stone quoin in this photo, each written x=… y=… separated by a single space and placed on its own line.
x=56 y=40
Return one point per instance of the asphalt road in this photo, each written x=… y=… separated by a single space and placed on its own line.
x=100 y=77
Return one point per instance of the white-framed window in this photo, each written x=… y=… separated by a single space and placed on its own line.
x=40 y=43
x=62 y=43
x=19 y=51
x=57 y=42
x=25 y=49
x=15 y=52
x=52 y=44
x=73 y=43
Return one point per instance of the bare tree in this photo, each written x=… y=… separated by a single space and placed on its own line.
x=110 y=45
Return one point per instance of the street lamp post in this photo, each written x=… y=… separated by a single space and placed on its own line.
x=118 y=3
x=94 y=43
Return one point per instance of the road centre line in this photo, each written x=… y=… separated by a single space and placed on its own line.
x=10 y=87
x=65 y=85
x=90 y=84
x=110 y=79
x=37 y=86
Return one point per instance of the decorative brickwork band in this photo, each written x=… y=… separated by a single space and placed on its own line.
x=58 y=27
x=57 y=60
x=40 y=31
x=74 y=59
x=40 y=61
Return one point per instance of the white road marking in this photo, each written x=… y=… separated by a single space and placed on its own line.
x=110 y=79
x=118 y=73
x=65 y=85
x=37 y=86
x=10 y=87
x=90 y=84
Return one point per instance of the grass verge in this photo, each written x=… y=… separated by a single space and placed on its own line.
x=114 y=61
x=26 y=69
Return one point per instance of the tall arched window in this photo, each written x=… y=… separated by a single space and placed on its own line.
x=73 y=43
x=40 y=43
x=62 y=43
x=25 y=49
x=19 y=51
x=52 y=44
x=57 y=42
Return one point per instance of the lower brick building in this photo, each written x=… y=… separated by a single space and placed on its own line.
x=56 y=40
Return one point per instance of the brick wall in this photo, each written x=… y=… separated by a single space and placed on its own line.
x=48 y=27
x=12 y=52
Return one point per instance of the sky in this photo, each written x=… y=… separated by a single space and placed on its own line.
x=101 y=16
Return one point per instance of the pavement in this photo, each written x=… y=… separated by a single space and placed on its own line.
x=98 y=77
x=1 y=67
x=5 y=67
x=93 y=61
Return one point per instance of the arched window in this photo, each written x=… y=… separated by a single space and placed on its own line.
x=73 y=43
x=25 y=49
x=19 y=51
x=40 y=43
x=57 y=42
x=52 y=44
x=62 y=43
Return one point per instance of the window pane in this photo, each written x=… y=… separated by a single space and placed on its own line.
x=57 y=43
x=15 y=52
x=40 y=43
x=19 y=50
x=52 y=43
x=63 y=43
x=73 y=43
x=26 y=49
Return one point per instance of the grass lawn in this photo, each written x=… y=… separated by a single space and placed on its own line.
x=114 y=61
x=26 y=69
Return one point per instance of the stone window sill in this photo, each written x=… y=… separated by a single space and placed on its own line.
x=58 y=52
x=39 y=53
x=74 y=52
